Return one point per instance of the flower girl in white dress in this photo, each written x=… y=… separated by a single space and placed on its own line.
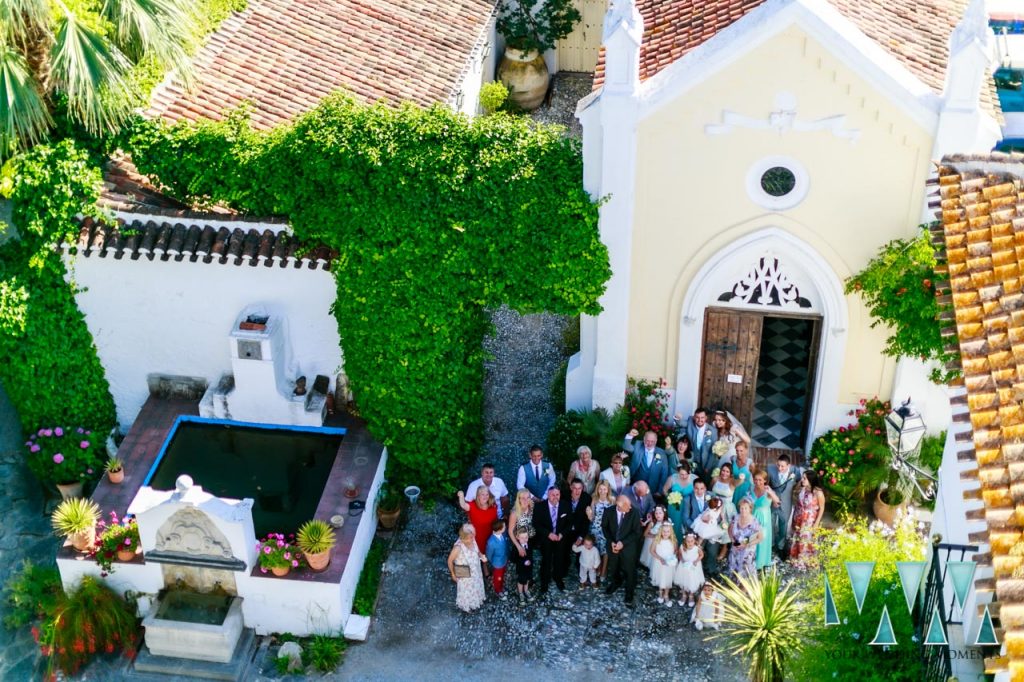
x=663 y=553
x=689 y=575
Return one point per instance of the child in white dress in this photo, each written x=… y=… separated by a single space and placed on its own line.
x=708 y=612
x=659 y=517
x=590 y=561
x=709 y=525
x=663 y=554
x=689 y=575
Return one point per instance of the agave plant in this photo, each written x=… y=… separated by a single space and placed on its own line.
x=315 y=537
x=79 y=55
x=761 y=623
x=114 y=465
x=75 y=515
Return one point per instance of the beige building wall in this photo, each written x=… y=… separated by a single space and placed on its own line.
x=691 y=197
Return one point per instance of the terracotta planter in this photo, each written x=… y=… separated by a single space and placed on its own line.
x=69 y=490
x=279 y=571
x=388 y=518
x=886 y=513
x=83 y=541
x=319 y=561
x=526 y=76
x=125 y=554
x=115 y=476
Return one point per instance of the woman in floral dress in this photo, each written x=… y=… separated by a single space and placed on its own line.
x=469 y=593
x=603 y=500
x=810 y=507
x=521 y=519
x=745 y=532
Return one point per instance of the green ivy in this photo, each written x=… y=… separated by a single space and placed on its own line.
x=51 y=370
x=435 y=219
x=900 y=288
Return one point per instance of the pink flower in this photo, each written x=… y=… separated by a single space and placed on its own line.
x=42 y=432
x=849 y=452
x=58 y=432
x=266 y=550
x=88 y=471
x=280 y=543
x=295 y=564
x=80 y=430
x=58 y=458
x=84 y=445
x=48 y=432
x=262 y=570
x=34 y=448
x=833 y=479
x=127 y=542
x=288 y=555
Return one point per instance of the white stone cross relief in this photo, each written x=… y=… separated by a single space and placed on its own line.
x=783 y=119
x=766 y=284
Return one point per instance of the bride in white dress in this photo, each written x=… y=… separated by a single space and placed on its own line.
x=729 y=432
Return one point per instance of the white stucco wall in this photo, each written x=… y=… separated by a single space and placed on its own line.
x=167 y=317
x=479 y=70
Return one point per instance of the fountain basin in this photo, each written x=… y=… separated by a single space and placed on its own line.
x=201 y=627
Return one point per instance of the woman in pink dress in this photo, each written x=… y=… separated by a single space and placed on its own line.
x=482 y=512
x=810 y=507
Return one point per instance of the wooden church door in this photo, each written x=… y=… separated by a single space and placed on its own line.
x=732 y=345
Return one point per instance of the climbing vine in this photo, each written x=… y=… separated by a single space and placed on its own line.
x=435 y=219
x=901 y=289
x=51 y=371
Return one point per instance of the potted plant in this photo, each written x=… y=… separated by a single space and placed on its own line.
x=119 y=539
x=389 y=506
x=529 y=29
x=65 y=457
x=75 y=519
x=277 y=555
x=316 y=539
x=115 y=470
x=891 y=497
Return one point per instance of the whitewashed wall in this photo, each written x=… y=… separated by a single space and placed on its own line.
x=479 y=70
x=168 y=317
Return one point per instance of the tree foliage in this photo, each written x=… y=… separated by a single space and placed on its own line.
x=51 y=370
x=435 y=219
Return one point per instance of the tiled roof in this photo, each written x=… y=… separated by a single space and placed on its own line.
x=285 y=55
x=916 y=32
x=982 y=215
x=178 y=241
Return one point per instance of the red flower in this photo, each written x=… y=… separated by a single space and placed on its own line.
x=842 y=429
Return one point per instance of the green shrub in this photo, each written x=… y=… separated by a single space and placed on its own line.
x=369 y=579
x=323 y=652
x=493 y=96
x=30 y=593
x=860 y=542
x=435 y=220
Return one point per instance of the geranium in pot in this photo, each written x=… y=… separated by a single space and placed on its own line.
x=65 y=457
x=277 y=554
x=75 y=519
x=316 y=539
x=529 y=29
x=119 y=539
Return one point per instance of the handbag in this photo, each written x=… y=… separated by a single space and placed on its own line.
x=461 y=571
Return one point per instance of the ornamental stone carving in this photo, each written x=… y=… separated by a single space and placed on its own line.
x=766 y=284
x=191 y=532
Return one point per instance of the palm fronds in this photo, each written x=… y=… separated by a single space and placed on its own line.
x=157 y=29
x=24 y=118
x=761 y=623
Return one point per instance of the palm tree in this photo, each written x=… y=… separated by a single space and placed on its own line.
x=762 y=623
x=77 y=55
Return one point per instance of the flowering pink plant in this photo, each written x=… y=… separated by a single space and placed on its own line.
x=117 y=535
x=277 y=551
x=64 y=454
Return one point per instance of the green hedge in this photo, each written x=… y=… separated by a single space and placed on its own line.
x=435 y=219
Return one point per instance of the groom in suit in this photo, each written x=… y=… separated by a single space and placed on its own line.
x=552 y=521
x=648 y=462
x=624 y=535
x=702 y=436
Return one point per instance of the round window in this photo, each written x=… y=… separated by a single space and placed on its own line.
x=778 y=181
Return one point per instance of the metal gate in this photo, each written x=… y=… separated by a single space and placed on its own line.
x=938 y=665
x=578 y=51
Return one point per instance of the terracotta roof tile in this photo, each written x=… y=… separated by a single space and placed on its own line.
x=285 y=55
x=165 y=241
x=916 y=32
x=981 y=211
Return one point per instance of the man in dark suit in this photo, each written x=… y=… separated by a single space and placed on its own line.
x=624 y=535
x=641 y=500
x=552 y=520
x=579 y=526
x=702 y=436
x=647 y=461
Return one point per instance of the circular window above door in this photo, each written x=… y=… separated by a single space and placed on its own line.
x=777 y=183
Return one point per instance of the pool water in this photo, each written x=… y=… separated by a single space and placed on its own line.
x=283 y=470
x=193 y=607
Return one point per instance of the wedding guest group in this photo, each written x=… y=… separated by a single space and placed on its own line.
x=681 y=516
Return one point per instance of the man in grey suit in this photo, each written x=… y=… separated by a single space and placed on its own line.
x=783 y=478
x=648 y=462
x=639 y=495
x=702 y=436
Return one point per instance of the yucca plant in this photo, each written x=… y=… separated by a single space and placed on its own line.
x=75 y=515
x=113 y=465
x=761 y=623
x=79 y=56
x=315 y=537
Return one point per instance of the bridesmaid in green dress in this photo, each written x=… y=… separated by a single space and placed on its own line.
x=764 y=499
x=680 y=482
